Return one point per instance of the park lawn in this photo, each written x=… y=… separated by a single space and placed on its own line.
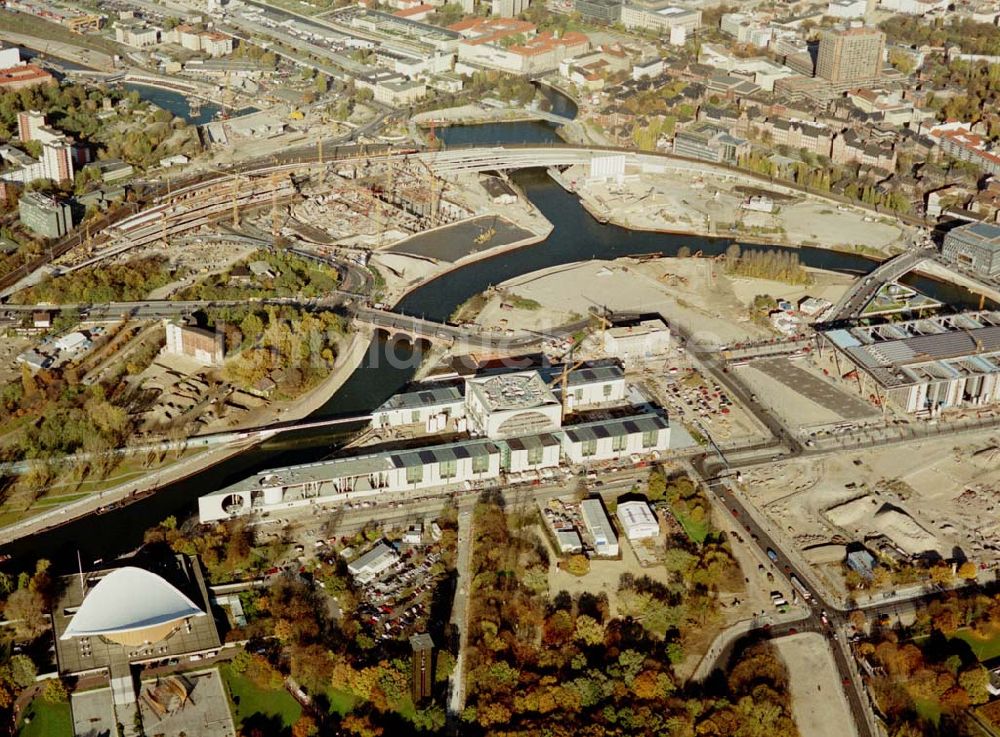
x=247 y=699
x=696 y=531
x=984 y=649
x=341 y=702
x=47 y=719
x=928 y=709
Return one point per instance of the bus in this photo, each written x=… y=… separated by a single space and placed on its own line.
x=800 y=588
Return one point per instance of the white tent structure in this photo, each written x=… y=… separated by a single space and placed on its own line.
x=131 y=606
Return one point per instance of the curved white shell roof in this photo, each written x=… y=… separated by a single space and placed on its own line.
x=128 y=600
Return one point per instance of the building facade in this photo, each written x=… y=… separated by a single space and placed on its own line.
x=44 y=215
x=975 y=246
x=850 y=57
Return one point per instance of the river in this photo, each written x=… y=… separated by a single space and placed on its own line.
x=576 y=237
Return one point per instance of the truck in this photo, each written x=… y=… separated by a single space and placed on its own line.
x=772 y=555
x=800 y=588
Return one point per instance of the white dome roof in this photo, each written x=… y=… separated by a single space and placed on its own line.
x=131 y=600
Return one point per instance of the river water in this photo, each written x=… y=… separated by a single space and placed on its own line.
x=576 y=237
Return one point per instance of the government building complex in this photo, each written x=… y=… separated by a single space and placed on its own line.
x=516 y=427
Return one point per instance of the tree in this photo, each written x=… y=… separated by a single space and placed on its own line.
x=967 y=570
x=305 y=726
x=26 y=608
x=975 y=681
x=657 y=485
x=578 y=565
x=588 y=630
x=22 y=670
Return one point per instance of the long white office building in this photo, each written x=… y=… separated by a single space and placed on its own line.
x=474 y=463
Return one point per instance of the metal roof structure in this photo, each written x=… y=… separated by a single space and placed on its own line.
x=131 y=606
x=927 y=349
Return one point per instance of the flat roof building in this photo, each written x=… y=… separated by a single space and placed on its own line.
x=203 y=346
x=850 y=57
x=368 y=566
x=975 y=246
x=599 y=528
x=46 y=216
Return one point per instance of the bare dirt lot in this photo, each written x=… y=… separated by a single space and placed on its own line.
x=818 y=702
x=693 y=292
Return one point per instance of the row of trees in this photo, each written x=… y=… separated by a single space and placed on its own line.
x=781 y=266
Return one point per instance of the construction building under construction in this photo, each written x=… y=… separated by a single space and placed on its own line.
x=199 y=205
x=925 y=365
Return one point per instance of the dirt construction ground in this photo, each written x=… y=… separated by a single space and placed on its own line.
x=818 y=702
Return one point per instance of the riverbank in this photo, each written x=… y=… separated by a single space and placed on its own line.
x=293 y=410
x=473 y=114
x=662 y=196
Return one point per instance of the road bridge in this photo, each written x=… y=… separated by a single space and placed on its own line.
x=436 y=332
x=864 y=289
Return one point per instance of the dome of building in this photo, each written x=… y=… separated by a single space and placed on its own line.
x=131 y=606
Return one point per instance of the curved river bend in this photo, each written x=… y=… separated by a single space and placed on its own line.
x=576 y=237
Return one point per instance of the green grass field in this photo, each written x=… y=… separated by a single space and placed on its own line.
x=341 y=702
x=928 y=709
x=984 y=649
x=44 y=719
x=696 y=531
x=248 y=700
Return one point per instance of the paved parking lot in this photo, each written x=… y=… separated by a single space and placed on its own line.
x=815 y=389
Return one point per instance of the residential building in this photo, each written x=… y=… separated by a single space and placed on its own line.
x=137 y=34
x=798 y=134
x=637 y=520
x=975 y=246
x=861 y=562
x=959 y=142
x=850 y=57
x=44 y=215
x=204 y=346
x=708 y=142
x=848 y=147
x=599 y=528
x=23 y=76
